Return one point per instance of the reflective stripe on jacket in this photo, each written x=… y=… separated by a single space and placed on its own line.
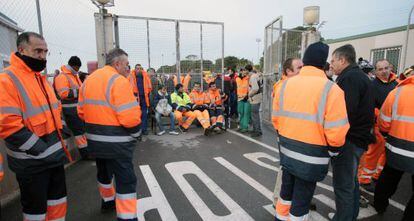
x=67 y=85
x=29 y=118
x=309 y=113
x=147 y=85
x=199 y=98
x=397 y=119
x=111 y=113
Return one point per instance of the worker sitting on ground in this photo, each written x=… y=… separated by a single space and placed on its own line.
x=181 y=104
x=200 y=107
x=216 y=107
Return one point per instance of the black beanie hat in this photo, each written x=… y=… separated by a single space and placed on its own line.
x=74 y=61
x=316 y=55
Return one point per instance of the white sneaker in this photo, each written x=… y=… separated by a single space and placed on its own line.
x=173 y=132
x=331 y=215
x=161 y=133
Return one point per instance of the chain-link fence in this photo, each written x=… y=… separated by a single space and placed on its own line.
x=172 y=47
x=68 y=27
x=279 y=44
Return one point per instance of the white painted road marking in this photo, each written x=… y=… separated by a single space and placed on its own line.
x=392 y=202
x=179 y=169
x=157 y=200
x=252 y=182
x=256 y=156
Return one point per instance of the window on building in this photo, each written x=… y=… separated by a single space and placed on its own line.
x=392 y=54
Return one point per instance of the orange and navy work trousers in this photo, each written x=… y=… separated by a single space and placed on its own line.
x=76 y=125
x=125 y=196
x=43 y=194
x=217 y=118
x=188 y=114
x=373 y=161
x=203 y=118
x=295 y=197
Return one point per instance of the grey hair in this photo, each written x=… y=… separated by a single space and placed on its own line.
x=381 y=60
x=347 y=51
x=114 y=55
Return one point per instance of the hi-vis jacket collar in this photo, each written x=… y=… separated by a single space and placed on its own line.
x=68 y=69
x=311 y=71
x=409 y=80
x=19 y=64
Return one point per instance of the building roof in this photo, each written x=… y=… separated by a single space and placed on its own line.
x=369 y=34
x=8 y=22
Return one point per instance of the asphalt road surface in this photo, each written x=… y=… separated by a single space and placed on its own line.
x=227 y=176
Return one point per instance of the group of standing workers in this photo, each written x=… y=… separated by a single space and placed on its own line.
x=102 y=113
x=357 y=125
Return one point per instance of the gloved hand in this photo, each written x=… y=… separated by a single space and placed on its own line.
x=38 y=148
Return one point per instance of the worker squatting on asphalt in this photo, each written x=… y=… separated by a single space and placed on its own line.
x=362 y=124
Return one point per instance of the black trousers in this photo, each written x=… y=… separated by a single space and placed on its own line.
x=40 y=189
x=386 y=187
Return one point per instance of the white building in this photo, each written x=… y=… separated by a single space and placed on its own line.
x=8 y=35
x=388 y=43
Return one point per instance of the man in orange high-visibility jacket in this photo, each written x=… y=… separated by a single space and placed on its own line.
x=186 y=82
x=112 y=116
x=67 y=85
x=175 y=80
x=200 y=102
x=1 y=174
x=243 y=105
x=216 y=107
x=372 y=162
x=396 y=121
x=141 y=84
x=291 y=67
x=30 y=125
x=315 y=106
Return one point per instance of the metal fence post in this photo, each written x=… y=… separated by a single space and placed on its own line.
x=271 y=49
x=201 y=57
x=148 y=45
x=116 y=28
x=177 y=48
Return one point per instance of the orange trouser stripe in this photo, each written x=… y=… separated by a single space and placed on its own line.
x=80 y=141
x=126 y=205
x=107 y=191
x=56 y=209
x=282 y=209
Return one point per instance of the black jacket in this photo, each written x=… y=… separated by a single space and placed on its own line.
x=381 y=90
x=359 y=104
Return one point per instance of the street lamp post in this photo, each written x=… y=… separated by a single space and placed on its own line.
x=406 y=37
x=258 y=40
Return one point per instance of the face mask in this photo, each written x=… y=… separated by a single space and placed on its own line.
x=36 y=65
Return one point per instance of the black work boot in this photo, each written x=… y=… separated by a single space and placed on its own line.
x=107 y=207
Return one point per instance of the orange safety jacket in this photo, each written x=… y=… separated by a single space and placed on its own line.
x=147 y=85
x=242 y=86
x=397 y=119
x=30 y=120
x=111 y=113
x=67 y=85
x=186 y=82
x=175 y=80
x=199 y=98
x=214 y=97
x=309 y=113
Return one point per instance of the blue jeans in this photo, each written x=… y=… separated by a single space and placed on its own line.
x=172 y=121
x=345 y=182
x=144 y=114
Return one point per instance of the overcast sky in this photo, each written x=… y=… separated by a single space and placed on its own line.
x=244 y=21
